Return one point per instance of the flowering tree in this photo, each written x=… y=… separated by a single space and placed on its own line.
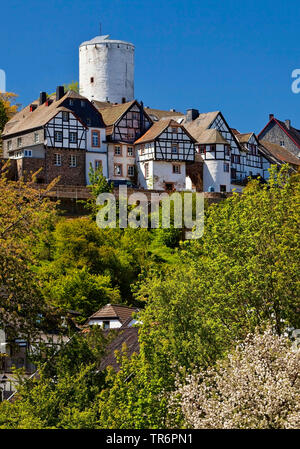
x=256 y=386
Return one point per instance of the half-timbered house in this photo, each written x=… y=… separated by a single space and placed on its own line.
x=162 y=154
x=256 y=163
x=125 y=123
x=61 y=134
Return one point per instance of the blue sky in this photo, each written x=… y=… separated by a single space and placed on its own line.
x=233 y=56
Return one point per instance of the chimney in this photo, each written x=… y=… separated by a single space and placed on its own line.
x=60 y=92
x=123 y=100
x=271 y=116
x=191 y=114
x=43 y=97
x=33 y=107
x=288 y=124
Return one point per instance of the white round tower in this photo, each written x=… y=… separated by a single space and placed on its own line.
x=106 y=70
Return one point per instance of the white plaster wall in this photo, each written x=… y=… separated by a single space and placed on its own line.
x=91 y=157
x=123 y=160
x=214 y=175
x=160 y=173
x=113 y=323
x=111 y=64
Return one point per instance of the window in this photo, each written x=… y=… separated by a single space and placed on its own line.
x=129 y=151
x=118 y=150
x=27 y=153
x=36 y=137
x=235 y=158
x=65 y=116
x=73 y=137
x=9 y=145
x=202 y=149
x=57 y=159
x=222 y=188
x=212 y=147
x=176 y=169
x=19 y=142
x=95 y=138
x=118 y=170
x=142 y=149
x=146 y=170
x=174 y=130
x=130 y=170
x=88 y=121
x=58 y=136
x=82 y=103
x=226 y=150
x=174 y=149
x=73 y=161
x=131 y=133
x=92 y=79
x=71 y=102
x=98 y=164
x=226 y=167
x=282 y=143
x=105 y=324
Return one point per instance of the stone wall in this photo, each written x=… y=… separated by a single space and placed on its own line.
x=273 y=133
x=74 y=176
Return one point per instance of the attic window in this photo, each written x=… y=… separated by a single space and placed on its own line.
x=65 y=116
x=71 y=102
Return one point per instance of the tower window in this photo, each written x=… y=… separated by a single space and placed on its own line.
x=92 y=79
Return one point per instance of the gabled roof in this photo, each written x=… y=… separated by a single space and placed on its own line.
x=158 y=114
x=25 y=120
x=211 y=136
x=202 y=122
x=118 y=311
x=158 y=128
x=111 y=113
x=244 y=137
x=280 y=153
x=235 y=131
x=291 y=132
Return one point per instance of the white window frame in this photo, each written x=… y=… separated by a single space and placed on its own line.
x=73 y=133
x=57 y=159
x=55 y=136
x=27 y=153
x=36 y=137
x=73 y=161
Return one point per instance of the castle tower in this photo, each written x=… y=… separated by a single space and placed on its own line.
x=106 y=70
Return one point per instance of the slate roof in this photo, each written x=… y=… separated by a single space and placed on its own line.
x=292 y=132
x=118 y=311
x=26 y=120
x=128 y=337
x=280 y=153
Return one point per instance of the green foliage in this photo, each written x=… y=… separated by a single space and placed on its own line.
x=74 y=85
x=64 y=392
